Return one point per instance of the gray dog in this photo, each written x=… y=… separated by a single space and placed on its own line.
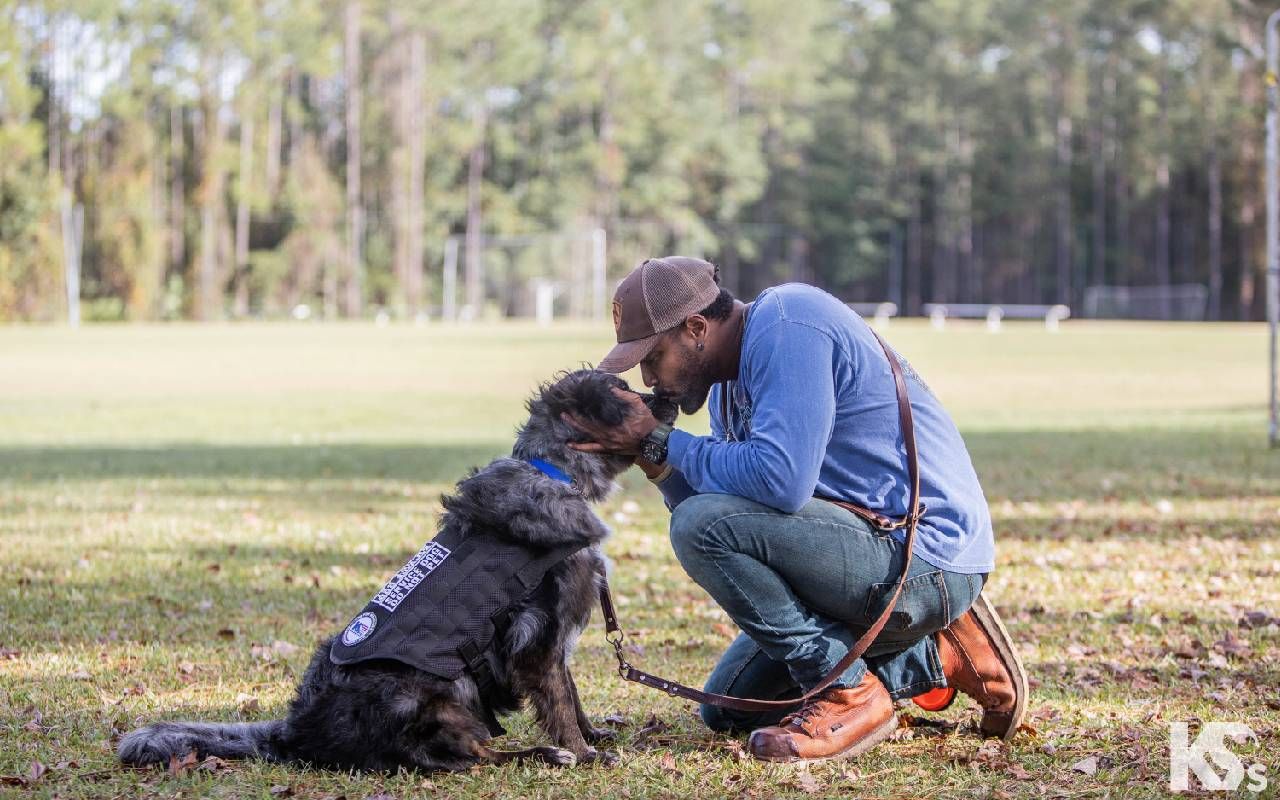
x=391 y=690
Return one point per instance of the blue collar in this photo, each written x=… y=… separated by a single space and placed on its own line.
x=550 y=470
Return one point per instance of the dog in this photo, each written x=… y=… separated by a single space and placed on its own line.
x=384 y=714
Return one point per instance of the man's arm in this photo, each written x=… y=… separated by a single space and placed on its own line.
x=789 y=372
x=675 y=489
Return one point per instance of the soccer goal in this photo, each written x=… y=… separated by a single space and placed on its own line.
x=539 y=276
x=1186 y=301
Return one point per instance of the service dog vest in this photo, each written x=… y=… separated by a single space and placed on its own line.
x=441 y=612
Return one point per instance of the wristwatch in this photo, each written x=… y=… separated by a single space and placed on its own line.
x=653 y=448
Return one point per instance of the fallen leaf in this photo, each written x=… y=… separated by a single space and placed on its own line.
x=1087 y=765
x=34 y=725
x=226 y=633
x=213 y=764
x=280 y=790
x=181 y=766
x=247 y=703
x=380 y=796
x=36 y=772
x=186 y=667
x=616 y=720
x=652 y=726
x=668 y=763
x=283 y=648
x=806 y=783
x=1232 y=645
x=1019 y=773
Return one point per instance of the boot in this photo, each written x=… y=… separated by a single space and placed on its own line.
x=979 y=659
x=839 y=723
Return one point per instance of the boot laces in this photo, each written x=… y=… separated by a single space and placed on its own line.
x=802 y=717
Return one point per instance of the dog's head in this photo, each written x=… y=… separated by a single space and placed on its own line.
x=588 y=393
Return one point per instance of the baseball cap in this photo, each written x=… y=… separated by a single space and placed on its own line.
x=657 y=296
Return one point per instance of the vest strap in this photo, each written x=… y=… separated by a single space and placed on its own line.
x=478 y=666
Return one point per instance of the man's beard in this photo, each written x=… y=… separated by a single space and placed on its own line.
x=692 y=386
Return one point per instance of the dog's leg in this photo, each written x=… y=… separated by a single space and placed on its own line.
x=551 y=756
x=591 y=733
x=554 y=702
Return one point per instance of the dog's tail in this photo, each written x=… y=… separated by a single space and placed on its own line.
x=156 y=744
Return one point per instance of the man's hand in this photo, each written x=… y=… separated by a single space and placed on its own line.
x=621 y=440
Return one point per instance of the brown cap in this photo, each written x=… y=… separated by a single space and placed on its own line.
x=657 y=296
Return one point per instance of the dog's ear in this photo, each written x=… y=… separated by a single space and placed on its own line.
x=587 y=393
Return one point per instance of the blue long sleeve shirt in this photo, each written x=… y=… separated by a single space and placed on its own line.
x=814 y=411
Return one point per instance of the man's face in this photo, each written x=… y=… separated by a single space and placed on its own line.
x=677 y=371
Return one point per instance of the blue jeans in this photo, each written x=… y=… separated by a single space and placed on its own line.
x=802 y=587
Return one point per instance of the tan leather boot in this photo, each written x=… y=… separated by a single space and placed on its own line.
x=979 y=659
x=839 y=723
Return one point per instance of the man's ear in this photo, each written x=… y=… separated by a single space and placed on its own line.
x=696 y=326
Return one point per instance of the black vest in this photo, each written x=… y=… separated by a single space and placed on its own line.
x=440 y=613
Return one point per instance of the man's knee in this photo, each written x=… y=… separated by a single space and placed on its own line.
x=693 y=520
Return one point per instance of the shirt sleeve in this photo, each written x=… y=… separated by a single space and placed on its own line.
x=675 y=489
x=789 y=374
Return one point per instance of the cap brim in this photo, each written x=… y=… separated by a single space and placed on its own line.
x=626 y=355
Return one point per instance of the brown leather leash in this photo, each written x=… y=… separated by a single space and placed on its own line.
x=615 y=636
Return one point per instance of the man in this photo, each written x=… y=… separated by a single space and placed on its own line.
x=803 y=406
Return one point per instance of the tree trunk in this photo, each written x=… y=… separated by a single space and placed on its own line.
x=1101 y=134
x=212 y=186
x=241 y=305
x=1062 y=211
x=408 y=179
x=177 y=192
x=1215 y=224
x=964 y=230
x=474 y=276
x=417 y=171
x=915 y=248
x=354 y=294
x=1163 y=275
x=274 y=140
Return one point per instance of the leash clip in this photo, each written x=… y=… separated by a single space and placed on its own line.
x=615 y=638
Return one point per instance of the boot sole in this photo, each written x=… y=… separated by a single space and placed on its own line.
x=991 y=623
x=856 y=749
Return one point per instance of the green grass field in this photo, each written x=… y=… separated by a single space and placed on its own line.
x=185 y=510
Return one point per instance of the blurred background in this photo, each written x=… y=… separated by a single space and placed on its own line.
x=265 y=158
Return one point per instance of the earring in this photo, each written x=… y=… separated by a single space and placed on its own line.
x=699 y=346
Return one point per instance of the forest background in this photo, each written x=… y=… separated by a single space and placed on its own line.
x=237 y=158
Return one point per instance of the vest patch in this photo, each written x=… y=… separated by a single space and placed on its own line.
x=410 y=575
x=359 y=629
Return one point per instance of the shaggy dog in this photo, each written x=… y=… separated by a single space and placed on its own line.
x=383 y=714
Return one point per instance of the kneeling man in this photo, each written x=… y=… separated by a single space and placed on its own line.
x=803 y=407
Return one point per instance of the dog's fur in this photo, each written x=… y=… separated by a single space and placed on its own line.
x=384 y=715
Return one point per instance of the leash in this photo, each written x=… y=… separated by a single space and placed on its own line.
x=615 y=636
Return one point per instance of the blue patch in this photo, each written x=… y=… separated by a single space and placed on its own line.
x=359 y=629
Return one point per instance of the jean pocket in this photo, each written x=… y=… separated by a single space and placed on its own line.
x=922 y=608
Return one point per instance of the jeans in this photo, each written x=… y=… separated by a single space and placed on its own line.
x=802 y=587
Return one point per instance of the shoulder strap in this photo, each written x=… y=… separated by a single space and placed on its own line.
x=914 y=511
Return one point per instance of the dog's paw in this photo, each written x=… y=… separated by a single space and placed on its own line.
x=599 y=736
x=601 y=758
x=554 y=756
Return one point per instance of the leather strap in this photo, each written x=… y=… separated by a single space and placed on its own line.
x=614 y=634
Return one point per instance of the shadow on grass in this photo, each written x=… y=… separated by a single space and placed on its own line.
x=1028 y=465
x=425 y=463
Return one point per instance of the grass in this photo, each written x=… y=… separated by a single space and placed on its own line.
x=184 y=510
